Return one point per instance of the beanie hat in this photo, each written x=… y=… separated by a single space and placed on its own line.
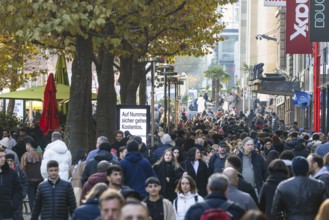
x=132 y=146
x=5 y=142
x=10 y=156
x=127 y=134
x=299 y=166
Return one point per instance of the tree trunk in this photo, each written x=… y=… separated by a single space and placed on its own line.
x=106 y=111
x=216 y=92
x=213 y=89
x=80 y=127
x=137 y=74
x=125 y=77
x=11 y=106
x=13 y=88
x=142 y=91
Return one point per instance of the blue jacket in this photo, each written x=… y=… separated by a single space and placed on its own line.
x=136 y=169
x=89 y=210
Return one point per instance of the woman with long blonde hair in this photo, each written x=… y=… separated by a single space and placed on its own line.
x=169 y=172
x=90 y=209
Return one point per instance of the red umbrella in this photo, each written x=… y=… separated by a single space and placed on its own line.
x=50 y=118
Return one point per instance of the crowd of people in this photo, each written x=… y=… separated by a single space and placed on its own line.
x=216 y=165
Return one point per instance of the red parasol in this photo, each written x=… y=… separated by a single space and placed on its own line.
x=50 y=118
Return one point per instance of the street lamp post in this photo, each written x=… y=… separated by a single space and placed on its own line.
x=152 y=61
x=166 y=70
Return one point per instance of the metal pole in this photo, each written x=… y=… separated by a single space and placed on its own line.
x=169 y=113
x=243 y=91
x=152 y=103
x=165 y=103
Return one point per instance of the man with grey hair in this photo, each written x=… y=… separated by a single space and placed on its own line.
x=241 y=198
x=58 y=151
x=100 y=140
x=217 y=198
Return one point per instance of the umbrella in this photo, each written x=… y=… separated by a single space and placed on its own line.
x=61 y=77
x=49 y=119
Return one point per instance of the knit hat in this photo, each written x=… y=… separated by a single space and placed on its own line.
x=5 y=142
x=10 y=156
x=127 y=134
x=299 y=166
x=132 y=146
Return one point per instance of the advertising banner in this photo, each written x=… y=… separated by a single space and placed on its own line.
x=319 y=20
x=135 y=119
x=275 y=3
x=297 y=27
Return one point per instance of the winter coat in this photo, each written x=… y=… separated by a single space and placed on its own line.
x=10 y=192
x=98 y=177
x=164 y=170
x=323 y=175
x=299 y=198
x=31 y=163
x=267 y=192
x=23 y=178
x=301 y=150
x=259 y=166
x=246 y=187
x=201 y=177
x=89 y=210
x=168 y=210
x=290 y=144
x=214 y=200
x=91 y=166
x=241 y=198
x=183 y=202
x=216 y=163
x=54 y=201
x=136 y=169
x=58 y=151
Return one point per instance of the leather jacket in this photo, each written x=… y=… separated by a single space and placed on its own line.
x=299 y=198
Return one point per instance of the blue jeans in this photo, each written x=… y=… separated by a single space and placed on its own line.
x=31 y=192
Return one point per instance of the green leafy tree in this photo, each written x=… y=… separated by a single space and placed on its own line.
x=216 y=73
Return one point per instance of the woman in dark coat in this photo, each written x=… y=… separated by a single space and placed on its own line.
x=169 y=172
x=278 y=172
x=277 y=143
x=197 y=169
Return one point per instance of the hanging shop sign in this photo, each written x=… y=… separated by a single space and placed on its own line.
x=297 y=27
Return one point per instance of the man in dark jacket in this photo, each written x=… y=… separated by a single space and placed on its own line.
x=253 y=169
x=91 y=166
x=217 y=161
x=10 y=189
x=55 y=197
x=217 y=189
x=299 y=197
x=317 y=170
x=136 y=169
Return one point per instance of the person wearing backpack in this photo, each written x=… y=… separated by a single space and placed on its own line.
x=186 y=196
x=216 y=204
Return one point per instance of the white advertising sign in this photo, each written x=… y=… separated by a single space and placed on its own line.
x=275 y=3
x=134 y=120
x=18 y=108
